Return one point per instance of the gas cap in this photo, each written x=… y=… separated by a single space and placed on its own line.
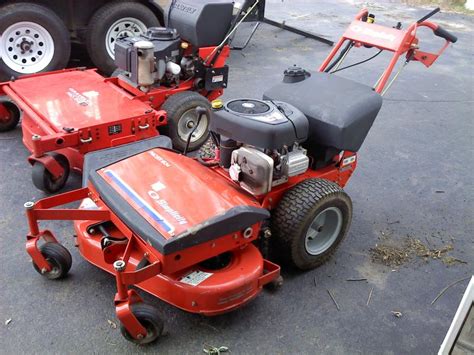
x=295 y=74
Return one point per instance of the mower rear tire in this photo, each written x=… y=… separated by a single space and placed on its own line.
x=112 y=21
x=182 y=119
x=44 y=180
x=58 y=258
x=9 y=114
x=310 y=222
x=150 y=318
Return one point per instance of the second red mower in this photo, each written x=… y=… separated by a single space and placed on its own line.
x=68 y=113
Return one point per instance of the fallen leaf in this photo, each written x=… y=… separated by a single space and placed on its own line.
x=113 y=325
x=8 y=321
x=397 y=314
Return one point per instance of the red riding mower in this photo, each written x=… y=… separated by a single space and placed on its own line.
x=166 y=72
x=195 y=232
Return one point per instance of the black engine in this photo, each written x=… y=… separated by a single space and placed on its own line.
x=260 y=142
x=168 y=55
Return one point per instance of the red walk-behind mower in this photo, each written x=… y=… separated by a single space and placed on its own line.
x=196 y=232
x=164 y=75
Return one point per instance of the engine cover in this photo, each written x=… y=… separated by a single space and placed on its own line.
x=263 y=124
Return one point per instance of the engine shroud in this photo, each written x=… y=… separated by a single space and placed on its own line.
x=263 y=124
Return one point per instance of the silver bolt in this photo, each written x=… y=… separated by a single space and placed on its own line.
x=119 y=265
x=43 y=270
x=194 y=303
x=248 y=232
x=36 y=137
x=140 y=336
x=29 y=205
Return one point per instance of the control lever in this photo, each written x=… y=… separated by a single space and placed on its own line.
x=427 y=16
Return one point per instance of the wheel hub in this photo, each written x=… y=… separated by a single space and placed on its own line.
x=323 y=231
x=187 y=123
x=26 y=47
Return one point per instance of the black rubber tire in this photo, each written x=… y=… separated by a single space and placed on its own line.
x=44 y=181
x=100 y=23
x=14 y=115
x=41 y=15
x=58 y=257
x=294 y=214
x=175 y=106
x=150 y=318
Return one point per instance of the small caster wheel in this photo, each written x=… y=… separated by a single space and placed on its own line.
x=58 y=257
x=275 y=284
x=9 y=115
x=150 y=318
x=44 y=180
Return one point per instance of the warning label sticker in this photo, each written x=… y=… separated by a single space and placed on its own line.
x=195 y=278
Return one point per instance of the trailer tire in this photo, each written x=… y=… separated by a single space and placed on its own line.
x=32 y=39
x=111 y=21
x=42 y=178
x=13 y=114
x=309 y=223
x=180 y=108
x=58 y=257
x=150 y=318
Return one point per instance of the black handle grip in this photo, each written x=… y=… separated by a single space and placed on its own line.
x=441 y=32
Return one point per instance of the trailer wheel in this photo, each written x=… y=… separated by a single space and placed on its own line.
x=150 y=318
x=9 y=115
x=309 y=223
x=32 y=39
x=182 y=119
x=44 y=180
x=112 y=21
x=58 y=258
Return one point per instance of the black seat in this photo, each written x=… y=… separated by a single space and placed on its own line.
x=340 y=111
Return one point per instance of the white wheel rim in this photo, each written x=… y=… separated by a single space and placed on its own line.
x=124 y=27
x=26 y=47
x=187 y=123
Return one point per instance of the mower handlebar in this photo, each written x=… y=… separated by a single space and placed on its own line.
x=448 y=36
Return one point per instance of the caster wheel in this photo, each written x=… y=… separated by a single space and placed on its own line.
x=9 y=114
x=44 y=180
x=150 y=318
x=58 y=257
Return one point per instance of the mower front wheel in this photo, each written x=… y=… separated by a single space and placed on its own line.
x=150 y=319
x=58 y=258
x=9 y=114
x=310 y=222
x=44 y=180
x=183 y=118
